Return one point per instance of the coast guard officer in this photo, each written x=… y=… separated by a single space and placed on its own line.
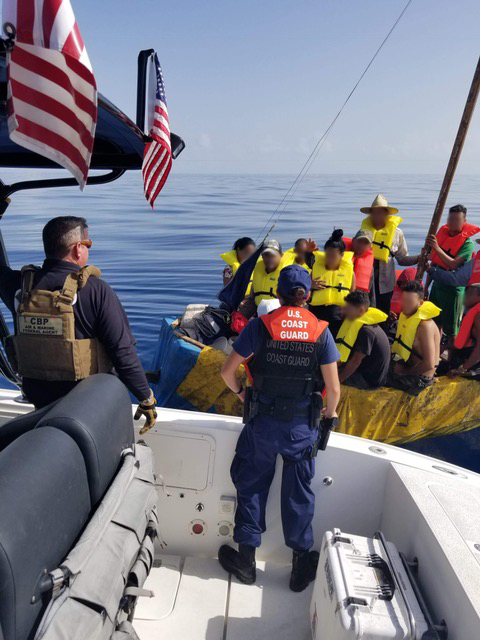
x=292 y=352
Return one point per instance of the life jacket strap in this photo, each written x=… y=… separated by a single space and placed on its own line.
x=382 y=245
x=265 y=293
x=342 y=342
x=405 y=346
x=338 y=287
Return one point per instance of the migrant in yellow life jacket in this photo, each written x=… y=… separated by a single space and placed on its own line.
x=348 y=332
x=289 y=258
x=45 y=346
x=338 y=281
x=265 y=284
x=382 y=238
x=407 y=329
x=231 y=258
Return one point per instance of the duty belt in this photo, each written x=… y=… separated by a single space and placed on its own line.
x=268 y=409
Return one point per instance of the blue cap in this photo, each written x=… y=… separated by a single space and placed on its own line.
x=293 y=277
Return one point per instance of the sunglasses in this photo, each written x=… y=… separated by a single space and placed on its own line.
x=87 y=243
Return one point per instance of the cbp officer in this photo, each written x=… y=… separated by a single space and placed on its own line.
x=70 y=324
x=292 y=352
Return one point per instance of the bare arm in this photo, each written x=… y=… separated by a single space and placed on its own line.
x=401 y=254
x=354 y=283
x=426 y=337
x=332 y=387
x=229 y=373
x=351 y=366
x=448 y=261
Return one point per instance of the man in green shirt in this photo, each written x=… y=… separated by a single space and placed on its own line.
x=451 y=248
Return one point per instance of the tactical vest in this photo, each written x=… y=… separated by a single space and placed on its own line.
x=383 y=238
x=407 y=329
x=286 y=364
x=348 y=332
x=452 y=244
x=475 y=277
x=464 y=336
x=45 y=347
x=338 y=282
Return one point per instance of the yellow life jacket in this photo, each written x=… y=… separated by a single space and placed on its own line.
x=348 y=332
x=265 y=284
x=407 y=329
x=230 y=257
x=382 y=238
x=45 y=346
x=338 y=281
x=289 y=258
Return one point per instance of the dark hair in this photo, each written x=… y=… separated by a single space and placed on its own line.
x=296 y=297
x=297 y=242
x=458 y=208
x=335 y=241
x=241 y=243
x=61 y=233
x=413 y=286
x=358 y=299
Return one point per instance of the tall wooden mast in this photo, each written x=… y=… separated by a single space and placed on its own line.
x=452 y=165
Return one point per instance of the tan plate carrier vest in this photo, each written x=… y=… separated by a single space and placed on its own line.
x=45 y=346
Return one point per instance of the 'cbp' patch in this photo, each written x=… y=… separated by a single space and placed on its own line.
x=40 y=325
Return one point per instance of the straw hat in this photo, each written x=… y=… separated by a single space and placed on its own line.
x=380 y=201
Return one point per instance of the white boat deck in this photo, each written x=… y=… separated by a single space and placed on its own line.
x=196 y=600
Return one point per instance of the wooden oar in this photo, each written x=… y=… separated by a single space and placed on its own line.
x=451 y=168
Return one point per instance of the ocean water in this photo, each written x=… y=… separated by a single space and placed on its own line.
x=160 y=261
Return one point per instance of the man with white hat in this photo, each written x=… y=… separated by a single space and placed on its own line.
x=388 y=243
x=264 y=278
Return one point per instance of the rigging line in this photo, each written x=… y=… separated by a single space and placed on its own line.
x=315 y=151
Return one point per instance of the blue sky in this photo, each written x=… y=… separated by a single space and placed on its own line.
x=251 y=85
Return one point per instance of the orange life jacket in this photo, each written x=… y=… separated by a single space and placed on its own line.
x=362 y=266
x=475 y=277
x=464 y=338
x=285 y=365
x=452 y=244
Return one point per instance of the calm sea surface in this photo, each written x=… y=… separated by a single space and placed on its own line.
x=160 y=261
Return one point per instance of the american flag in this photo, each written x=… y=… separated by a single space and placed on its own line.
x=52 y=94
x=157 y=158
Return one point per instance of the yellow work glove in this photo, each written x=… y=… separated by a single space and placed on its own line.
x=148 y=410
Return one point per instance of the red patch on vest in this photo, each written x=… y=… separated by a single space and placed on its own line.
x=294 y=324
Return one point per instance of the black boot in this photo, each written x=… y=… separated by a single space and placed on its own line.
x=240 y=563
x=304 y=569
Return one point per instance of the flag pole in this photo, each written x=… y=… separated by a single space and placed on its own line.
x=452 y=166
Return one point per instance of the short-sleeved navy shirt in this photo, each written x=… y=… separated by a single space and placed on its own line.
x=249 y=342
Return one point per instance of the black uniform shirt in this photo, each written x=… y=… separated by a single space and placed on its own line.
x=98 y=314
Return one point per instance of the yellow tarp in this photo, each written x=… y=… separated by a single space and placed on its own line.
x=386 y=415
x=395 y=417
x=204 y=387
